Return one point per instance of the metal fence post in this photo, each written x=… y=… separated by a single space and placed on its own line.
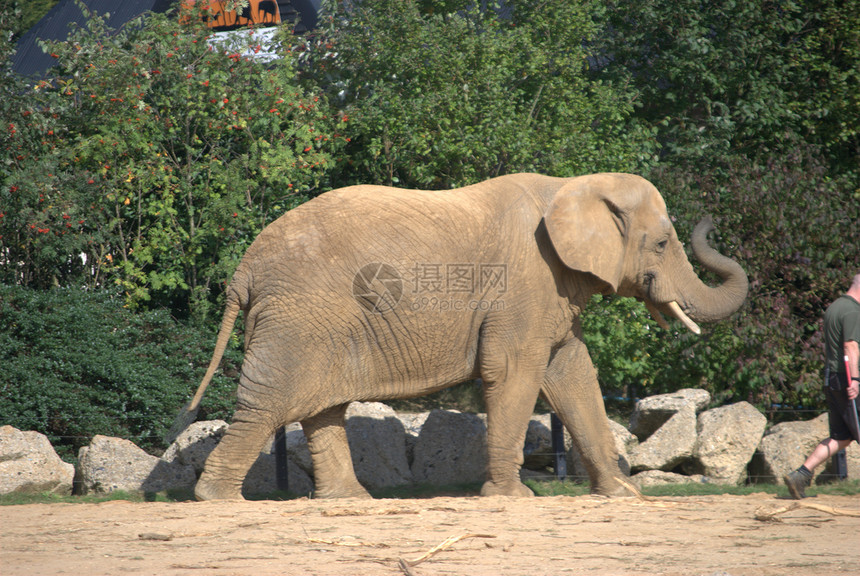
x=281 y=472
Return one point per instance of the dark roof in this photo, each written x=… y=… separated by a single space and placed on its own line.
x=30 y=60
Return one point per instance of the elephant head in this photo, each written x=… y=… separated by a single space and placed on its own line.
x=615 y=227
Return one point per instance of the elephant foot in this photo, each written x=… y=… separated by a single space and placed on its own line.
x=356 y=491
x=612 y=488
x=210 y=490
x=517 y=489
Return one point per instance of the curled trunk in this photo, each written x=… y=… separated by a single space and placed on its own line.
x=705 y=303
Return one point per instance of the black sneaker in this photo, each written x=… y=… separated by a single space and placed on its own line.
x=797 y=483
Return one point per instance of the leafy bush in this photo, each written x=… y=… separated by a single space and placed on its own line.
x=78 y=364
x=441 y=94
x=158 y=153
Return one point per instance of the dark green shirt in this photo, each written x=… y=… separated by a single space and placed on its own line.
x=841 y=324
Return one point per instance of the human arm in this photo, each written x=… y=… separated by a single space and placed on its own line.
x=852 y=352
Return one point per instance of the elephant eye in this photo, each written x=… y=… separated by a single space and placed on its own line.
x=661 y=246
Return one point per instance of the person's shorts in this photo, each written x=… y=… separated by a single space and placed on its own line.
x=843 y=422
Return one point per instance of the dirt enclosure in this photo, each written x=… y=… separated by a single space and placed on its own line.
x=704 y=535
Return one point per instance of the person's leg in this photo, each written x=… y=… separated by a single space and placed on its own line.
x=824 y=451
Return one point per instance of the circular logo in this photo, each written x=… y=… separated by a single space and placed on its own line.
x=377 y=287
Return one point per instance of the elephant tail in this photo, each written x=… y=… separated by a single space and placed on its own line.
x=189 y=413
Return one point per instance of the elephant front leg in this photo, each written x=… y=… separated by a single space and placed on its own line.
x=334 y=475
x=572 y=390
x=510 y=404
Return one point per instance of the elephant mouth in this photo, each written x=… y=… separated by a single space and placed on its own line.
x=673 y=309
x=670 y=308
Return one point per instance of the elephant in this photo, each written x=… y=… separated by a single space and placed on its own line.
x=372 y=293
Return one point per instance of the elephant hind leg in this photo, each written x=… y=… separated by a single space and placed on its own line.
x=334 y=475
x=234 y=455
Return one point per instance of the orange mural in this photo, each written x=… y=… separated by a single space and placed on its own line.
x=257 y=12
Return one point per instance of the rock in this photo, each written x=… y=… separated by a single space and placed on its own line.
x=669 y=446
x=652 y=412
x=537 y=449
x=297 y=449
x=412 y=423
x=624 y=443
x=377 y=441
x=263 y=479
x=196 y=442
x=785 y=447
x=658 y=478
x=111 y=464
x=727 y=439
x=29 y=464
x=451 y=449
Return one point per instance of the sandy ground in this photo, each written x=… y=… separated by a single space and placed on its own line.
x=706 y=535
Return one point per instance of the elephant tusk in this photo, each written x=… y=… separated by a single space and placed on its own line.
x=688 y=322
x=657 y=315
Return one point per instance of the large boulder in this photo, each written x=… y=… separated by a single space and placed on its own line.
x=29 y=464
x=377 y=442
x=659 y=478
x=451 y=449
x=537 y=449
x=669 y=446
x=412 y=424
x=262 y=478
x=727 y=439
x=785 y=447
x=297 y=448
x=651 y=413
x=111 y=464
x=196 y=442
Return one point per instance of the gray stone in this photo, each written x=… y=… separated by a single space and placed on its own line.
x=652 y=412
x=196 y=442
x=412 y=423
x=29 y=464
x=262 y=478
x=537 y=449
x=297 y=449
x=111 y=464
x=785 y=447
x=669 y=446
x=727 y=439
x=377 y=442
x=659 y=477
x=451 y=449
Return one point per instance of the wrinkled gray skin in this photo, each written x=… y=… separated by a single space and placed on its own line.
x=485 y=281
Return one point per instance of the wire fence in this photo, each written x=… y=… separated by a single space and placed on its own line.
x=560 y=461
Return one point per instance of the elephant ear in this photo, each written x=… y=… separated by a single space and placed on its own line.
x=587 y=222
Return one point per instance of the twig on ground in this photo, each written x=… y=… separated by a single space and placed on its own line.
x=406 y=565
x=763 y=515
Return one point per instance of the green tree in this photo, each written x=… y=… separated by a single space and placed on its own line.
x=79 y=363
x=752 y=78
x=443 y=94
x=174 y=149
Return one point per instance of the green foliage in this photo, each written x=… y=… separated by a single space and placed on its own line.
x=791 y=226
x=159 y=153
x=78 y=364
x=752 y=77
x=443 y=94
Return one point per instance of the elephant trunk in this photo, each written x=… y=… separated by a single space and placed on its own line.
x=705 y=303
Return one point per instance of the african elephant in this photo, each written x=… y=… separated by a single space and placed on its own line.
x=371 y=293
